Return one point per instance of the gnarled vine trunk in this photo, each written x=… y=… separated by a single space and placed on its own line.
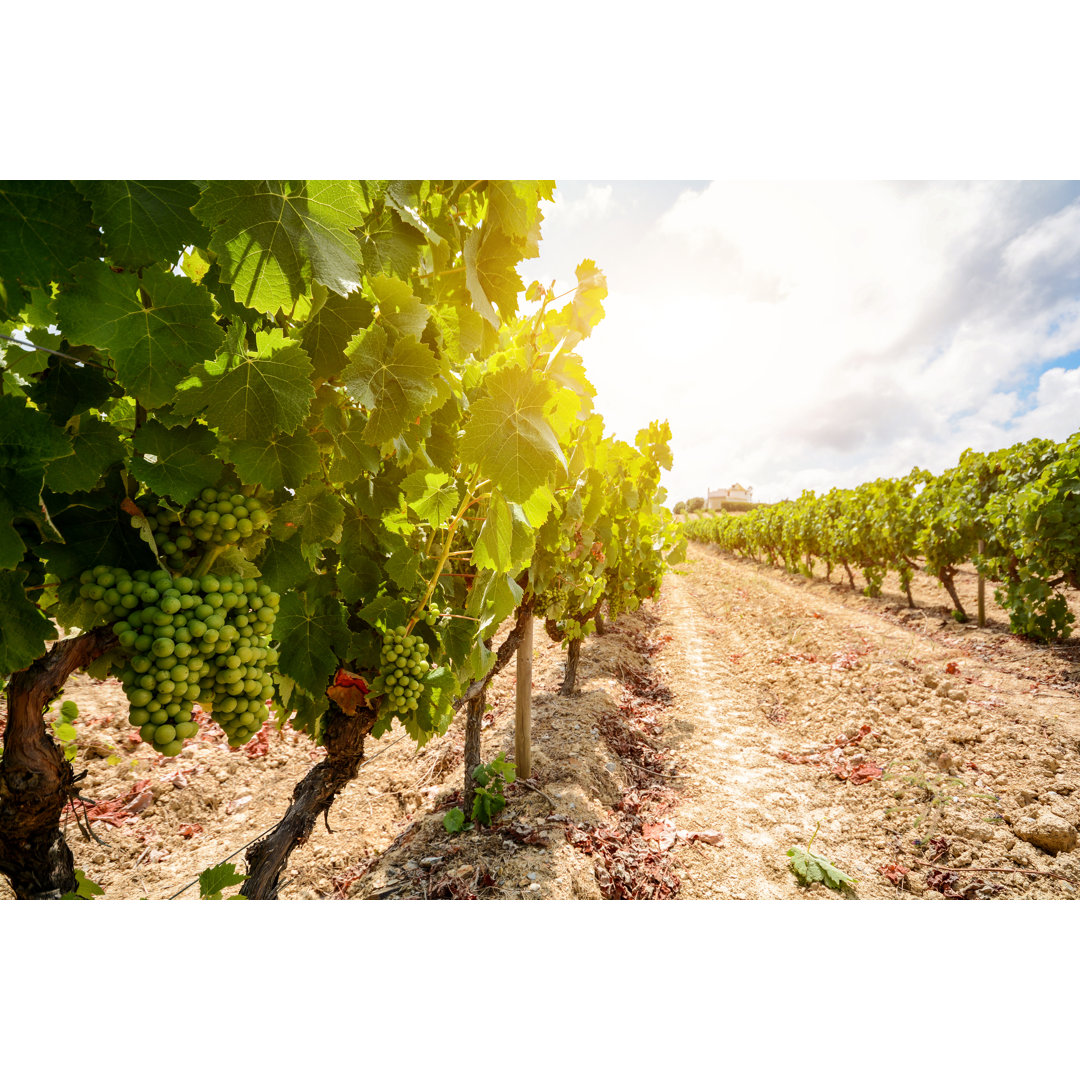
x=474 y=712
x=573 y=654
x=314 y=795
x=946 y=577
x=35 y=779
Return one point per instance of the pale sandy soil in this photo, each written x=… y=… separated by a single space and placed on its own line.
x=675 y=737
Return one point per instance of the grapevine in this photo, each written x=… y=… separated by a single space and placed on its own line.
x=265 y=468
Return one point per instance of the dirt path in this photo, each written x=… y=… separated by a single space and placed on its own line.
x=675 y=736
x=976 y=750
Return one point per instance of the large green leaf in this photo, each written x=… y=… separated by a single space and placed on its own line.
x=389 y=246
x=183 y=464
x=45 y=230
x=318 y=513
x=283 y=565
x=145 y=221
x=395 y=384
x=492 y=548
x=262 y=392
x=12 y=547
x=23 y=628
x=309 y=631
x=332 y=328
x=275 y=461
x=273 y=238
x=352 y=456
x=96 y=447
x=66 y=387
x=156 y=326
x=398 y=306
x=515 y=209
x=432 y=494
x=28 y=443
x=508 y=435
x=490 y=274
x=95 y=531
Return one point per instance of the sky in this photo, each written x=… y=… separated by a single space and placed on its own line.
x=820 y=334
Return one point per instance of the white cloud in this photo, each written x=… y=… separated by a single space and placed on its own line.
x=819 y=334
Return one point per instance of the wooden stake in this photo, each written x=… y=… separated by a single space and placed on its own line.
x=982 y=589
x=523 y=702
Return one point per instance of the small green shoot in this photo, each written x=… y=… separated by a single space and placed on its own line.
x=809 y=868
x=219 y=877
x=64 y=729
x=85 y=888
x=454 y=820
x=488 y=801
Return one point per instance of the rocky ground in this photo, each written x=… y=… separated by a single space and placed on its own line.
x=745 y=712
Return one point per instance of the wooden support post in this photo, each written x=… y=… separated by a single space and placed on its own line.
x=523 y=702
x=982 y=589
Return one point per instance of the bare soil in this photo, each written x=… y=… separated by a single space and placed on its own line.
x=712 y=731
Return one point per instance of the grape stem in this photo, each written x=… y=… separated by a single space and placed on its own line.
x=208 y=560
x=466 y=501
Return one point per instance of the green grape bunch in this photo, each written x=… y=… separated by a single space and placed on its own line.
x=217 y=518
x=188 y=640
x=404 y=663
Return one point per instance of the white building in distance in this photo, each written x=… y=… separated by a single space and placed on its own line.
x=735 y=493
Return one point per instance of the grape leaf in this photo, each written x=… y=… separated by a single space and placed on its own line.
x=219 y=877
x=490 y=274
x=283 y=565
x=318 y=513
x=492 y=548
x=384 y=612
x=515 y=209
x=389 y=245
x=432 y=494
x=272 y=238
x=11 y=543
x=45 y=229
x=184 y=465
x=65 y=389
x=809 y=868
x=274 y=461
x=509 y=436
x=336 y=324
x=398 y=307
x=492 y=597
x=404 y=196
x=85 y=889
x=153 y=347
x=403 y=567
x=96 y=531
x=23 y=629
x=395 y=385
x=145 y=221
x=352 y=456
x=462 y=331
x=96 y=446
x=309 y=632
x=263 y=392
x=28 y=442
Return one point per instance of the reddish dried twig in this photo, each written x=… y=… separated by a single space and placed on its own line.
x=996 y=870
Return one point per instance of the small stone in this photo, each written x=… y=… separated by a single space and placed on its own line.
x=610 y=766
x=1047 y=831
x=431 y=860
x=534 y=887
x=978 y=832
x=531 y=877
x=412 y=865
